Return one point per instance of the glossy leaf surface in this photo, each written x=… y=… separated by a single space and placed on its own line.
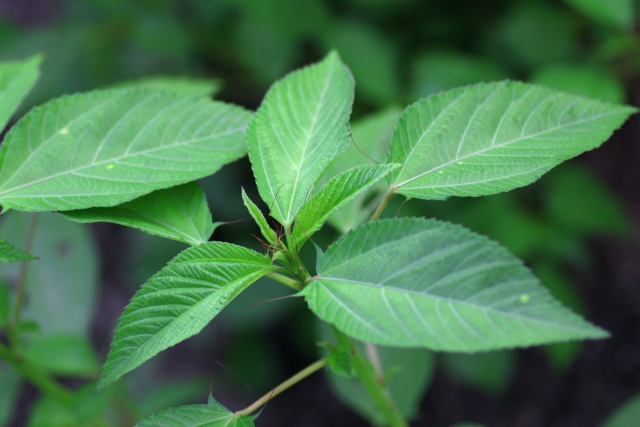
x=179 y=213
x=332 y=196
x=489 y=138
x=179 y=301
x=425 y=283
x=16 y=80
x=300 y=127
x=107 y=147
x=8 y=252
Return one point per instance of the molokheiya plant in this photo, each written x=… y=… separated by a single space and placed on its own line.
x=130 y=156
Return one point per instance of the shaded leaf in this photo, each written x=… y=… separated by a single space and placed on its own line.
x=627 y=415
x=16 y=80
x=179 y=213
x=62 y=354
x=189 y=86
x=425 y=283
x=5 y=304
x=8 y=252
x=489 y=372
x=332 y=196
x=615 y=13
x=300 y=127
x=107 y=147
x=10 y=382
x=340 y=361
x=179 y=301
x=489 y=138
x=256 y=214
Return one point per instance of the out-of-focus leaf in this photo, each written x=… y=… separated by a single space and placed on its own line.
x=615 y=13
x=372 y=58
x=172 y=393
x=10 y=382
x=626 y=416
x=435 y=71
x=180 y=213
x=8 y=252
x=62 y=284
x=67 y=355
x=5 y=304
x=290 y=18
x=580 y=203
x=580 y=80
x=339 y=361
x=489 y=372
x=188 y=86
x=16 y=80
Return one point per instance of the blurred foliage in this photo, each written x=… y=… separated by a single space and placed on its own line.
x=398 y=51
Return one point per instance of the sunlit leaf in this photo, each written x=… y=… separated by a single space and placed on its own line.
x=107 y=147
x=615 y=13
x=301 y=125
x=179 y=301
x=189 y=86
x=332 y=196
x=489 y=138
x=179 y=213
x=16 y=80
x=8 y=252
x=425 y=283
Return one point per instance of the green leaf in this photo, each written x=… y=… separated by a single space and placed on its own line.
x=626 y=416
x=489 y=372
x=489 y=138
x=300 y=127
x=615 y=13
x=8 y=252
x=16 y=81
x=340 y=361
x=62 y=285
x=332 y=196
x=107 y=147
x=5 y=304
x=425 y=283
x=256 y=214
x=179 y=301
x=68 y=355
x=189 y=86
x=210 y=415
x=180 y=213
x=10 y=382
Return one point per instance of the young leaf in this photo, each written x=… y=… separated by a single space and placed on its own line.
x=256 y=214
x=332 y=196
x=179 y=301
x=188 y=86
x=211 y=415
x=300 y=127
x=179 y=213
x=489 y=138
x=425 y=283
x=107 y=147
x=8 y=252
x=16 y=80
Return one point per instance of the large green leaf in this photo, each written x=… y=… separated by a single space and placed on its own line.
x=179 y=301
x=489 y=138
x=627 y=415
x=8 y=252
x=615 y=13
x=190 y=86
x=107 y=147
x=211 y=415
x=332 y=196
x=425 y=283
x=179 y=213
x=301 y=125
x=16 y=80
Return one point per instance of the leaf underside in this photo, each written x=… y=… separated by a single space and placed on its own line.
x=8 y=252
x=211 y=415
x=300 y=127
x=179 y=213
x=489 y=138
x=104 y=148
x=179 y=301
x=426 y=283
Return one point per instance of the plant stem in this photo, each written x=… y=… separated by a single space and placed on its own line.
x=383 y=204
x=316 y=366
x=22 y=281
x=36 y=376
x=287 y=281
x=374 y=358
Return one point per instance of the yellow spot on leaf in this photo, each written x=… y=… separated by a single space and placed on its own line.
x=441 y=172
x=524 y=298
x=111 y=166
x=64 y=131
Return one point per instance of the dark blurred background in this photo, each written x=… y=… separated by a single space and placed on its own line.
x=577 y=227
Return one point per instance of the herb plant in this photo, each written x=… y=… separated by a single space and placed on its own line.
x=131 y=156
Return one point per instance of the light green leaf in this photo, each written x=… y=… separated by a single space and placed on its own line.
x=62 y=285
x=189 y=86
x=8 y=252
x=107 y=147
x=211 y=415
x=626 y=416
x=69 y=355
x=425 y=283
x=615 y=13
x=179 y=213
x=10 y=382
x=300 y=127
x=489 y=138
x=16 y=81
x=256 y=214
x=179 y=301
x=332 y=196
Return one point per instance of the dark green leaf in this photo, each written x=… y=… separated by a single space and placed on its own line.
x=5 y=304
x=10 y=382
x=616 y=13
x=626 y=416
x=489 y=372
